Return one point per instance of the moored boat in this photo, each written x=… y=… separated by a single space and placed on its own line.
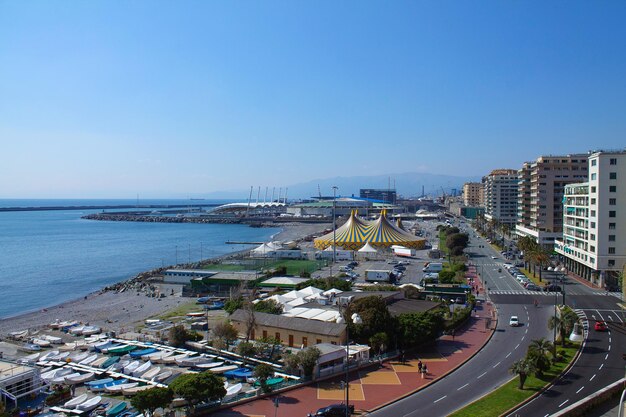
x=90 y=404
x=116 y=409
x=103 y=387
x=118 y=387
x=151 y=373
x=142 y=369
x=142 y=352
x=209 y=365
x=80 y=379
x=75 y=401
x=134 y=390
x=131 y=367
x=122 y=350
x=222 y=369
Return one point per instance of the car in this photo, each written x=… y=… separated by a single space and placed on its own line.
x=334 y=410
x=600 y=326
x=533 y=287
x=494 y=257
x=513 y=321
x=552 y=288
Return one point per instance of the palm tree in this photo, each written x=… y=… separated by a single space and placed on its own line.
x=543 y=346
x=538 y=352
x=542 y=258
x=564 y=324
x=523 y=368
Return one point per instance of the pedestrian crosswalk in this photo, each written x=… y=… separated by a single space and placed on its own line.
x=540 y=293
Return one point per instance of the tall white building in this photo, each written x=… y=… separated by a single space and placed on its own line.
x=594 y=220
x=540 y=195
x=500 y=189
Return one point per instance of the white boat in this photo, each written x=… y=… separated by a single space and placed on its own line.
x=130 y=368
x=90 y=404
x=174 y=358
x=75 y=401
x=222 y=369
x=29 y=358
x=89 y=360
x=119 y=366
x=76 y=330
x=61 y=378
x=142 y=369
x=56 y=373
x=98 y=362
x=133 y=390
x=42 y=342
x=233 y=390
x=46 y=356
x=79 y=344
x=52 y=339
x=91 y=330
x=59 y=357
x=155 y=357
x=119 y=388
x=193 y=361
x=80 y=379
x=210 y=365
x=151 y=373
x=30 y=347
x=19 y=334
x=163 y=376
x=77 y=357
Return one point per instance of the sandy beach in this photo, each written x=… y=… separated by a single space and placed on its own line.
x=122 y=311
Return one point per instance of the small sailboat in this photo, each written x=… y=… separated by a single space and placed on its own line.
x=142 y=369
x=222 y=369
x=61 y=378
x=193 y=361
x=89 y=360
x=151 y=373
x=42 y=342
x=174 y=358
x=134 y=390
x=116 y=409
x=131 y=367
x=29 y=358
x=209 y=365
x=90 y=404
x=119 y=387
x=104 y=386
x=233 y=390
x=80 y=379
x=163 y=375
x=158 y=357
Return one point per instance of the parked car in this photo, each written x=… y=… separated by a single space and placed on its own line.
x=533 y=287
x=335 y=410
x=552 y=288
x=513 y=321
x=600 y=326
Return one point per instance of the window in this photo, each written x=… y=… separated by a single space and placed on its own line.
x=592 y=237
x=592 y=248
x=613 y=161
x=593 y=201
x=612 y=188
x=318 y=341
x=612 y=213
x=612 y=251
x=593 y=189
x=612 y=226
x=593 y=162
x=305 y=341
x=593 y=213
x=277 y=335
x=613 y=175
x=612 y=201
x=611 y=238
x=593 y=176
x=593 y=225
x=611 y=262
x=264 y=334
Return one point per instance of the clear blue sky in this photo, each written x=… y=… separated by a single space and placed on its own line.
x=114 y=98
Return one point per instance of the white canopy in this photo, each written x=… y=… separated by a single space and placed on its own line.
x=367 y=248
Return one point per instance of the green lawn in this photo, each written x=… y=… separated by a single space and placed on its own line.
x=509 y=395
x=181 y=311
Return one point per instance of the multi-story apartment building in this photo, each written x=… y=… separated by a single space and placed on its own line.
x=472 y=194
x=540 y=195
x=500 y=189
x=593 y=245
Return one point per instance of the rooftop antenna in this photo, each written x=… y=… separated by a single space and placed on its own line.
x=319 y=191
x=258 y=193
x=273 y=190
x=265 y=198
x=249 y=199
x=287 y=188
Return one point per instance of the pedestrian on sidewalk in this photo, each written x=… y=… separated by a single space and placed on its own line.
x=424 y=371
x=419 y=366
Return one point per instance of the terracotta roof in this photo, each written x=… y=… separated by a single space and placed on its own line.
x=292 y=323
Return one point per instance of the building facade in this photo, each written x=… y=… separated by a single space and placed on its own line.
x=500 y=189
x=472 y=192
x=541 y=187
x=385 y=195
x=593 y=245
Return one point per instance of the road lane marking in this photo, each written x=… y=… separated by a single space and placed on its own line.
x=497 y=364
x=481 y=375
x=609 y=349
x=517 y=346
x=601 y=366
x=523 y=337
x=526 y=331
x=580 y=389
x=460 y=388
x=440 y=399
x=606 y=357
x=509 y=354
x=563 y=403
x=610 y=318
x=609 y=339
x=591 y=379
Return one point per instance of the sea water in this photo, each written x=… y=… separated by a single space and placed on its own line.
x=48 y=257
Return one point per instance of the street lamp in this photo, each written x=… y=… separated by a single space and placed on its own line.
x=335 y=188
x=356 y=319
x=553 y=271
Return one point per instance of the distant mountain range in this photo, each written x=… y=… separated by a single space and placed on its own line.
x=408 y=184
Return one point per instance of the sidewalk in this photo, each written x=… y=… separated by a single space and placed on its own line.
x=374 y=387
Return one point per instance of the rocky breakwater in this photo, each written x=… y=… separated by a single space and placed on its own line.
x=126 y=217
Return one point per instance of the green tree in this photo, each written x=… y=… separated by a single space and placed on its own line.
x=230 y=306
x=226 y=332
x=270 y=343
x=178 y=335
x=148 y=401
x=246 y=349
x=307 y=359
x=268 y=306
x=564 y=323
x=447 y=276
x=201 y=387
x=417 y=328
x=537 y=354
x=523 y=368
x=292 y=362
x=375 y=315
x=379 y=342
x=263 y=372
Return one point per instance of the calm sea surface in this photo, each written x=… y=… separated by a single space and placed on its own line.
x=47 y=257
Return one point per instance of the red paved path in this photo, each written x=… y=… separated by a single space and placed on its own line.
x=371 y=388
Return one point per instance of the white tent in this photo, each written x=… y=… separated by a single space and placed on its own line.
x=262 y=250
x=274 y=245
x=310 y=290
x=332 y=291
x=367 y=248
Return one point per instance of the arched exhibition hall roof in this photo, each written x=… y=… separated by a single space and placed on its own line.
x=237 y=207
x=355 y=233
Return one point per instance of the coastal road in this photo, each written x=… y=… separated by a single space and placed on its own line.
x=599 y=364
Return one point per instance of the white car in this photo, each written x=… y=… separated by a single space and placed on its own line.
x=513 y=321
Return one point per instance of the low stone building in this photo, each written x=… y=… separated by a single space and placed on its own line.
x=291 y=331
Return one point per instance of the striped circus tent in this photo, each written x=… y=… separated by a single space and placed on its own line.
x=399 y=224
x=382 y=233
x=350 y=236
